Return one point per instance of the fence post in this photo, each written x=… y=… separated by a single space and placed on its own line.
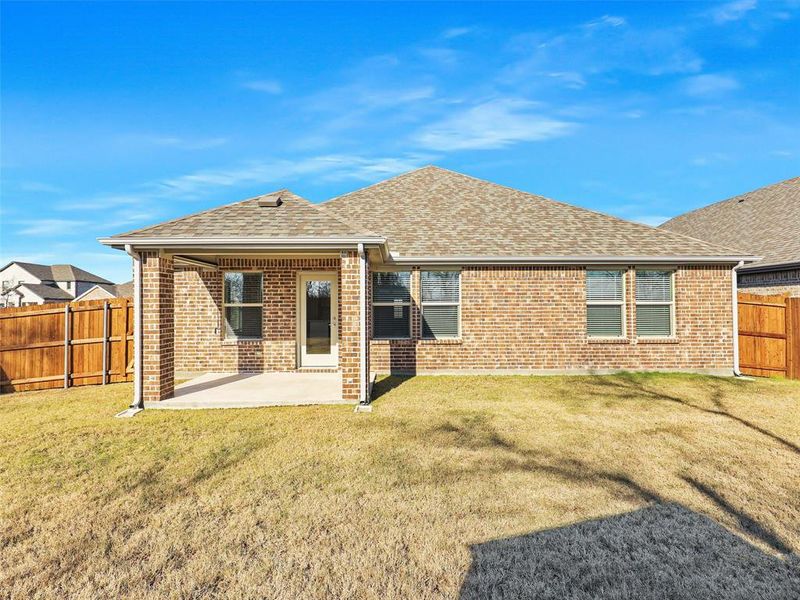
x=66 y=345
x=124 y=337
x=105 y=341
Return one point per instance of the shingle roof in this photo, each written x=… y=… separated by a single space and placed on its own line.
x=47 y=292
x=764 y=222
x=439 y=213
x=60 y=273
x=296 y=217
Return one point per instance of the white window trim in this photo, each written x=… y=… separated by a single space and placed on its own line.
x=671 y=303
x=622 y=303
x=234 y=338
x=392 y=304
x=423 y=304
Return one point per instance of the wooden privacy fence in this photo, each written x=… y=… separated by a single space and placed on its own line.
x=62 y=345
x=769 y=335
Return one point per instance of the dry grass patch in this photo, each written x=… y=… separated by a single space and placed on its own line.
x=453 y=485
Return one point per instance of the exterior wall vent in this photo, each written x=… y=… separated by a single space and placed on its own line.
x=270 y=200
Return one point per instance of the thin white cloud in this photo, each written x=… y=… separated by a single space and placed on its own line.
x=710 y=159
x=267 y=86
x=709 y=84
x=40 y=186
x=456 y=32
x=732 y=11
x=271 y=172
x=106 y=202
x=570 y=79
x=598 y=48
x=172 y=141
x=494 y=124
x=606 y=21
x=42 y=227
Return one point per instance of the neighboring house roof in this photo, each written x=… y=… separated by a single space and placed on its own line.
x=764 y=222
x=295 y=217
x=110 y=290
x=436 y=212
x=58 y=272
x=46 y=292
x=431 y=212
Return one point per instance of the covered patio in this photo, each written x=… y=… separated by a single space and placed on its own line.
x=252 y=390
x=266 y=299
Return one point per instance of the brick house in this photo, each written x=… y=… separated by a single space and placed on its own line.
x=428 y=272
x=764 y=222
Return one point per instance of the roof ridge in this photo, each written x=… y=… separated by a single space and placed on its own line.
x=731 y=199
x=382 y=181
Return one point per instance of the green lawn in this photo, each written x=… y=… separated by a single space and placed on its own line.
x=478 y=486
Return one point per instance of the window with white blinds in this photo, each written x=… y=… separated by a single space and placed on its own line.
x=391 y=304
x=441 y=297
x=655 y=303
x=605 y=303
x=243 y=305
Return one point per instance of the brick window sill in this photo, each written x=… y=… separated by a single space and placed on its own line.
x=608 y=340
x=389 y=341
x=226 y=342
x=442 y=342
x=657 y=340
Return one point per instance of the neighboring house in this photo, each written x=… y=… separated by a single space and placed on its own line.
x=766 y=223
x=104 y=291
x=428 y=272
x=23 y=284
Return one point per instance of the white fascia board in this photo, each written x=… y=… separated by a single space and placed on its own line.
x=249 y=242
x=564 y=260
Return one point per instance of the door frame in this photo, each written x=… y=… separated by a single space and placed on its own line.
x=310 y=361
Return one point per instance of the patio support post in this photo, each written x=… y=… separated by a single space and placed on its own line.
x=158 y=326
x=363 y=397
x=350 y=340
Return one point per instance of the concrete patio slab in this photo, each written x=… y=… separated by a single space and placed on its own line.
x=251 y=390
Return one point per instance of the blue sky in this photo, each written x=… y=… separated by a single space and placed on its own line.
x=115 y=116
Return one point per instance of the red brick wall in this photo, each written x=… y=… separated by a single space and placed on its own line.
x=158 y=348
x=534 y=318
x=199 y=327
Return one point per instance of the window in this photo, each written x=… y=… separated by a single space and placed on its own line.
x=655 y=303
x=391 y=304
x=441 y=295
x=605 y=303
x=243 y=305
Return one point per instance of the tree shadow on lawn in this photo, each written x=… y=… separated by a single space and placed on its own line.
x=660 y=551
x=631 y=386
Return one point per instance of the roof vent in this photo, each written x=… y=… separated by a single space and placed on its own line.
x=270 y=200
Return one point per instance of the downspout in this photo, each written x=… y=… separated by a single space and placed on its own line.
x=362 y=300
x=735 y=305
x=138 y=403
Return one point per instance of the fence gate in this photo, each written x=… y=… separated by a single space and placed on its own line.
x=769 y=335
x=62 y=345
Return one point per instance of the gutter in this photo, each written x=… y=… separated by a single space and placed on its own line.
x=735 y=307
x=138 y=401
x=564 y=260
